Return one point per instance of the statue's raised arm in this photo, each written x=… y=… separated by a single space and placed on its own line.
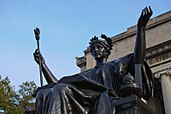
x=140 y=44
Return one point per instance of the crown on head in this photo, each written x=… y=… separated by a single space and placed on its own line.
x=107 y=43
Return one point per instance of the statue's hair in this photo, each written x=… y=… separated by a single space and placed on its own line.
x=107 y=42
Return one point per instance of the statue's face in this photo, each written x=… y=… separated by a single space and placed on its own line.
x=98 y=51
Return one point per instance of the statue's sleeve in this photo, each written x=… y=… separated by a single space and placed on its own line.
x=147 y=77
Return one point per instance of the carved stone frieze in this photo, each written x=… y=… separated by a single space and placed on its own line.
x=159 y=54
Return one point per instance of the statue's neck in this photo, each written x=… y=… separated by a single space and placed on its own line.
x=100 y=63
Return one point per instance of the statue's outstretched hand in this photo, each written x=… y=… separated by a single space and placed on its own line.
x=145 y=16
x=38 y=56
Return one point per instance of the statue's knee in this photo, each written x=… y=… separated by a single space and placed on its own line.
x=60 y=87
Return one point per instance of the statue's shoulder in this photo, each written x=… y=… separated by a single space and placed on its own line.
x=126 y=58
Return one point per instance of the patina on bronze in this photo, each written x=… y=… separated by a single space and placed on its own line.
x=96 y=91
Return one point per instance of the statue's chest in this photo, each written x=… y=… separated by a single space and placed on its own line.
x=101 y=75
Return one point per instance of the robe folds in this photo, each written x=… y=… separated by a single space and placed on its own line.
x=94 y=91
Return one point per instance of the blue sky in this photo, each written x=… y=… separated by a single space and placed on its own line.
x=66 y=28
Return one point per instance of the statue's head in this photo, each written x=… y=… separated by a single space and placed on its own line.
x=100 y=49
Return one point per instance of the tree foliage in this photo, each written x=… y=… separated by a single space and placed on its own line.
x=16 y=102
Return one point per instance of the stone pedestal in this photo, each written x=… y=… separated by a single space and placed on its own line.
x=132 y=105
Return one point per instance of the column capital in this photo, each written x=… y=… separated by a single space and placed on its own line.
x=166 y=72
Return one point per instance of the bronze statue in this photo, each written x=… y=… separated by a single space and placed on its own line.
x=96 y=91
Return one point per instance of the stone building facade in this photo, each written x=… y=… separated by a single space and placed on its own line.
x=158 y=38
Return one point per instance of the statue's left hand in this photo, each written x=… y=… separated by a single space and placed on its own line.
x=144 y=18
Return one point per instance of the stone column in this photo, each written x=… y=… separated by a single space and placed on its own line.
x=166 y=89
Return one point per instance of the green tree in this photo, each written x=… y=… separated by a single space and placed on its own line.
x=16 y=102
x=25 y=94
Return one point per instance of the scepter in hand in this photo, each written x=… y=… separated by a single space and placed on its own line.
x=37 y=36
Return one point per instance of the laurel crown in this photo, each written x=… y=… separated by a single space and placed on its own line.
x=108 y=40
